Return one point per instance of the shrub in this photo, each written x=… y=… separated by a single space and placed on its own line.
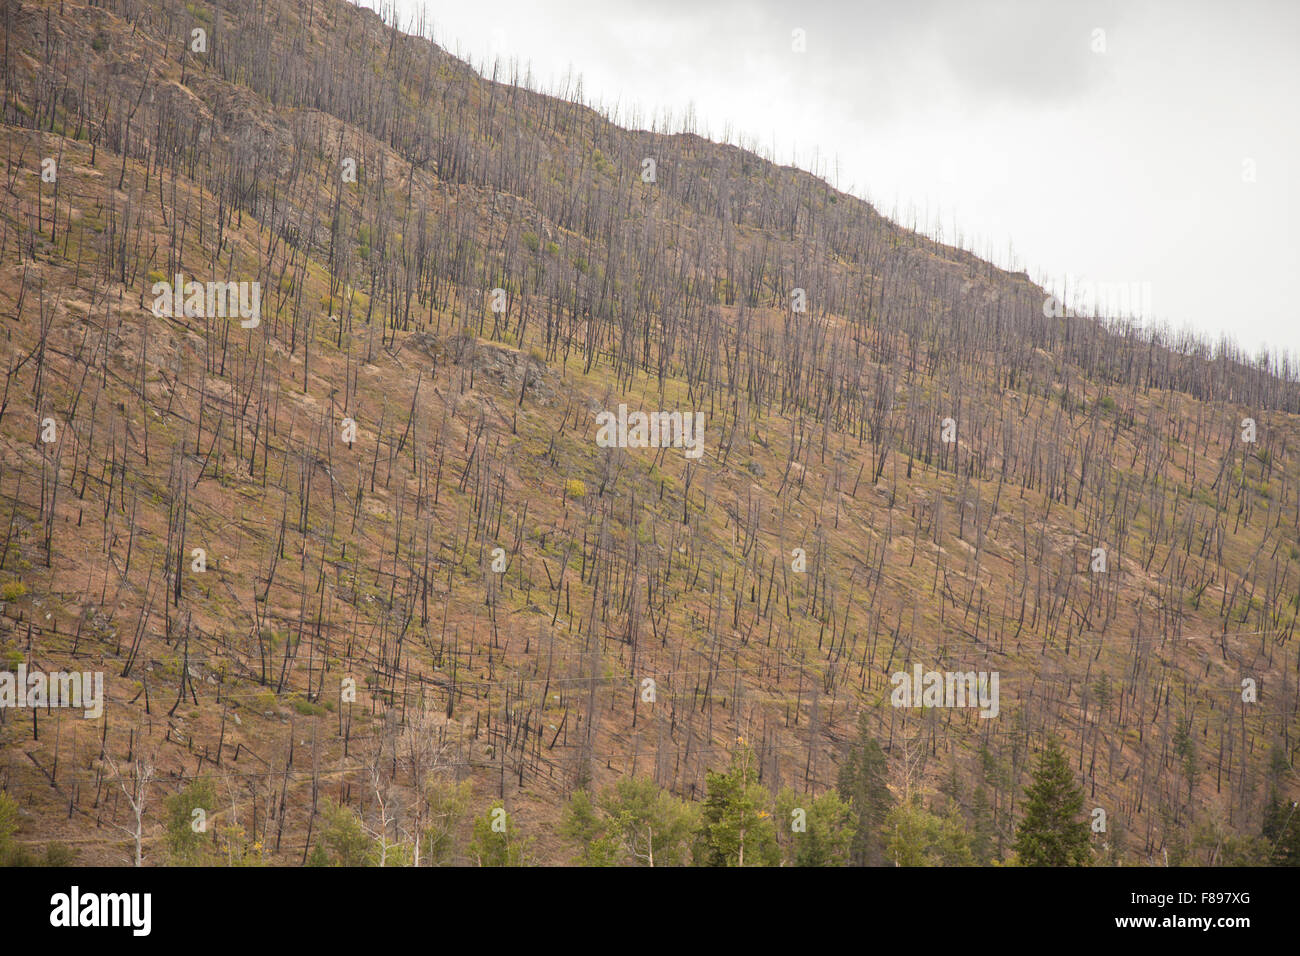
x=307 y=708
x=185 y=845
x=345 y=843
x=12 y=853
x=59 y=854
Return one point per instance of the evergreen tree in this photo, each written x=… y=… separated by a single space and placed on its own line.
x=821 y=835
x=734 y=829
x=1050 y=833
x=997 y=777
x=919 y=837
x=584 y=826
x=496 y=840
x=863 y=784
x=1282 y=831
x=447 y=803
x=983 y=831
x=318 y=856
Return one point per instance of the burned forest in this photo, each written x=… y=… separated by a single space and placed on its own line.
x=405 y=464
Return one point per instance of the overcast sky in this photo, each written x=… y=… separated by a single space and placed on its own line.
x=1103 y=142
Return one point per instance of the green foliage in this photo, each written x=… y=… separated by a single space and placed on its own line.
x=345 y=843
x=530 y=241
x=59 y=854
x=1050 y=833
x=234 y=848
x=496 y=841
x=18 y=856
x=398 y=854
x=863 y=783
x=14 y=854
x=652 y=826
x=584 y=826
x=185 y=847
x=983 y=831
x=829 y=828
x=734 y=829
x=1102 y=688
x=918 y=837
x=317 y=856
x=1213 y=844
x=8 y=827
x=448 y=804
x=308 y=709
x=634 y=823
x=12 y=590
x=1282 y=831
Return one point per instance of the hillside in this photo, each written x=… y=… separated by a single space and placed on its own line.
x=455 y=278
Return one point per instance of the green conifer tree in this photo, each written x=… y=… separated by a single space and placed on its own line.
x=496 y=841
x=1050 y=834
x=814 y=831
x=863 y=783
x=735 y=829
x=1282 y=831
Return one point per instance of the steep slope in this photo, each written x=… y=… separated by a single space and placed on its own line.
x=495 y=275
